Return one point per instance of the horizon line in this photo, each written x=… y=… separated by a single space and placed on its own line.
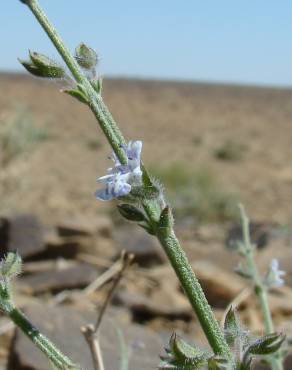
x=146 y=78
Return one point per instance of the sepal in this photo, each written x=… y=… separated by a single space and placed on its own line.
x=180 y=355
x=31 y=68
x=131 y=212
x=232 y=328
x=145 y=193
x=166 y=219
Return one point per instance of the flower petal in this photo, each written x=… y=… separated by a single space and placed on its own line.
x=121 y=189
x=103 y=194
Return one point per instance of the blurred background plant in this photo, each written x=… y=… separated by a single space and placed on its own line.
x=230 y=150
x=196 y=193
x=19 y=134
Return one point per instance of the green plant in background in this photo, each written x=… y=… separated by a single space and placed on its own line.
x=197 y=193
x=93 y=144
x=19 y=135
x=143 y=202
x=230 y=151
x=261 y=284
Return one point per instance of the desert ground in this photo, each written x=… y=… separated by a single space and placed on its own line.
x=212 y=146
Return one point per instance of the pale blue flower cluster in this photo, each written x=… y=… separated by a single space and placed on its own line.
x=274 y=277
x=120 y=178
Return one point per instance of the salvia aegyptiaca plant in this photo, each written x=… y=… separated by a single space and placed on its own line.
x=140 y=199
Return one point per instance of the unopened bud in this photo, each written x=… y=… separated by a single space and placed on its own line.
x=11 y=265
x=85 y=56
x=41 y=66
x=47 y=66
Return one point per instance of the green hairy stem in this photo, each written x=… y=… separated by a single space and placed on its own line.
x=259 y=288
x=193 y=291
x=166 y=236
x=55 y=356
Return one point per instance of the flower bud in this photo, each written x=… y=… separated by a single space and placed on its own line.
x=85 y=56
x=10 y=266
x=47 y=66
x=41 y=66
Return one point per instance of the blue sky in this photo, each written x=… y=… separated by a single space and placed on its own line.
x=227 y=41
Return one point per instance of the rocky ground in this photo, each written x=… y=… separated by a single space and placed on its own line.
x=238 y=137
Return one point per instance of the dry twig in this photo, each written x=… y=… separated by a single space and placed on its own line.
x=90 y=332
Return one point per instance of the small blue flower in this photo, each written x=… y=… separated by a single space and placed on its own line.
x=274 y=276
x=121 y=177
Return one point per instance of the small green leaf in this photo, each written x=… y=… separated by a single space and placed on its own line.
x=267 y=344
x=181 y=355
x=231 y=327
x=97 y=85
x=182 y=349
x=218 y=363
x=246 y=364
x=85 y=56
x=77 y=94
x=243 y=271
x=131 y=213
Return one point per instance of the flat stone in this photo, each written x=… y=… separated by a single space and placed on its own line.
x=79 y=226
x=71 y=277
x=145 y=247
x=26 y=235
x=62 y=326
x=162 y=298
x=145 y=308
x=220 y=286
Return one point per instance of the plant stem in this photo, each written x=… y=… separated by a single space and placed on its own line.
x=96 y=104
x=57 y=358
x=168 y=240
x=194 y=292
x=259 y=287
